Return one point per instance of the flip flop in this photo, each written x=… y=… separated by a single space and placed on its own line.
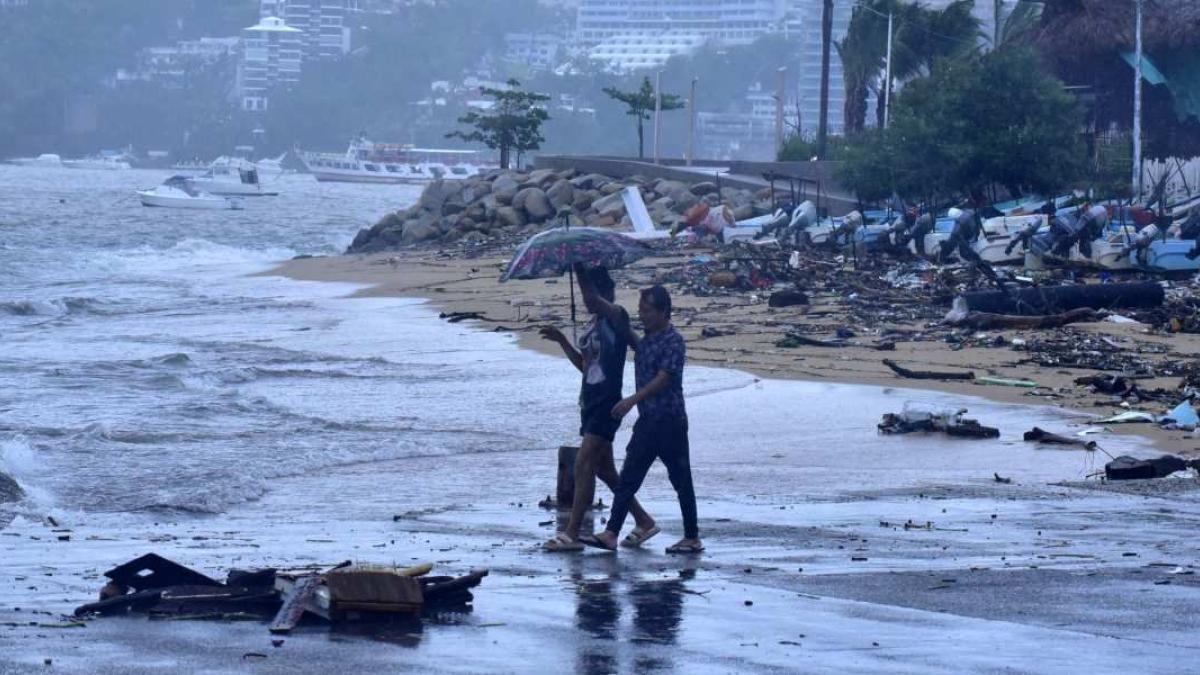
x=684 y=549
x=561 y=543
x=591 y=540
x=639 y=536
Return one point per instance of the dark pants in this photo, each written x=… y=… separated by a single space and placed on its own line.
x=665 y=440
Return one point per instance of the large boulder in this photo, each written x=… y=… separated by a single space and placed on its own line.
x=743 y=212
x=612 y=205
x=504 y=189
x=536 y=204
x=584 y=199
x=684 y=201
x=611 y=188
x=542 y=177
x=561 y=194
x=416 y=231
x=671 y=188
x=591 y=181
x=704 y=188
x=437 y=193
x=507 y=216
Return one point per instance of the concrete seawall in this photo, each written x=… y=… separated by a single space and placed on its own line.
x=814 y=180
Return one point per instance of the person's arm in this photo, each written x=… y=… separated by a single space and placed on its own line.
x=555 y=335
x=611 y=311
x=661 y=381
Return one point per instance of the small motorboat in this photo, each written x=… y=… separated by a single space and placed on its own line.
x=177 y=193
x=235 y=178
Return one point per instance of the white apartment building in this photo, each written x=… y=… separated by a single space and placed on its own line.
x=538 y=51
x=325 y=24
x=805 y=19
x=725 y=21
x=271 y=56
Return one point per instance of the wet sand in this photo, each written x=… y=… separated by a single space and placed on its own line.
x=454 y=283
x=830 y=549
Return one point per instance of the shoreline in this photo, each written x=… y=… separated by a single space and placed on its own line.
x=467 y=287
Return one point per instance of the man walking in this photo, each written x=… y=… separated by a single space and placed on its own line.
x=661 y=430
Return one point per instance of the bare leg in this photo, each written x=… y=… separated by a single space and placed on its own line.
x=607 y=472
x=586 y=463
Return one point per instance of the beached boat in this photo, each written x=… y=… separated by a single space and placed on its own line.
x=231 y=177
x=1166 y=256
x=368 y=162
x=176 y=193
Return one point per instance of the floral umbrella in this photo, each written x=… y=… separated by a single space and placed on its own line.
x=553 y=252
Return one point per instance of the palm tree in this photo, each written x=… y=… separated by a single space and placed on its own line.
x=1018 y=25
x=920 y=37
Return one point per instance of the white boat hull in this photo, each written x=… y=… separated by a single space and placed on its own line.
x=148 y=198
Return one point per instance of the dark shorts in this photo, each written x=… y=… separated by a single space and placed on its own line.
x=597 y=420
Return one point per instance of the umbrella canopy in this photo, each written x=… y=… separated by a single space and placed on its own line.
x=553 y=252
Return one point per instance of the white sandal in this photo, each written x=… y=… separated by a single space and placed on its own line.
x=638 y=536
x=561 y=543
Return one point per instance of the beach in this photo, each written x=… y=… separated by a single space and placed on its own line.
x=193 y=399
x=456 y=283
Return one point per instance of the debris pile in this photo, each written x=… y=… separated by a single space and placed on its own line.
x=163 y=589
x=950 y=422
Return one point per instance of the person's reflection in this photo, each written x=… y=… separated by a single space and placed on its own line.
x=657 y=613
x=657 y=617
x=597 y=613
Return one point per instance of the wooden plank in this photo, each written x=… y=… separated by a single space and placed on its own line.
x=154 y=571
x=294 y=604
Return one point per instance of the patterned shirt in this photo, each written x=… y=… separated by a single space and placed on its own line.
x=662 y=351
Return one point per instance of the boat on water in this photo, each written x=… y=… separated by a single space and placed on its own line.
x=45 y=159
x=231 y=177
x=176 y=193
x=368 y=162
x=101 y=163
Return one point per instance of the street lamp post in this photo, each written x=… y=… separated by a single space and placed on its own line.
x=1137 y=105
x=691 y=149
x=657 y=111
x=780 y=92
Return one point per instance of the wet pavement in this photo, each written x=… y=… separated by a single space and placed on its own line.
x=888 y=554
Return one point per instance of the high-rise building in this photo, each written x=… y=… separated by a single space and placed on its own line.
x=804 y=19
x=726 y=21
x=325 y=24
x=271 y=56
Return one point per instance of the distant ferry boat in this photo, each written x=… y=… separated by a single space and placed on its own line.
x=367 y=162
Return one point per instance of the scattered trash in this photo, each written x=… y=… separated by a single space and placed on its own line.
x=951 y=422
x=1038 y=435
x=787 y=298
x=1184 y=415
x=1006 y=382
x=1043 y=300
x=347 y=592
x=1131 y=468
x=1000 y=479
x=1131 y=417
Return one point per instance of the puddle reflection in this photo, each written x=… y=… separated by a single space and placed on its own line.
x=655 y=607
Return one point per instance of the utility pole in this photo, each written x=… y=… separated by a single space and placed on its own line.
x=1137 y=106
x=657 y=111
x=780 y=93
x=887 y=80
x=997 y=15
x=826 y=39
x=691 y=149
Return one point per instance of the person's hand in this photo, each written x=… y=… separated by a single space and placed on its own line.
x=622 y=408
x=552 y=334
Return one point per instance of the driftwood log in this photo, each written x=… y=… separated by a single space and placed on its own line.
x=926 y=374
x=1039 y=435
x=988 y=321
x=1045 y=300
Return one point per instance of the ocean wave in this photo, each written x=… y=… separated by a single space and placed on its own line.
x=56 y=307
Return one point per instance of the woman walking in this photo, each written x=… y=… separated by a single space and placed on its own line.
x=600 y=357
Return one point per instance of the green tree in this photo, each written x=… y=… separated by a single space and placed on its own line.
x=640 y=104
x=513 y=124
x=949 y=135
x=920 y=37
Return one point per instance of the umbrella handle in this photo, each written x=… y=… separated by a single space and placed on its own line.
x=571 y=276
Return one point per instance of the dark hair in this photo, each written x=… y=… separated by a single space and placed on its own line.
x=604 y=285
x=658 y=297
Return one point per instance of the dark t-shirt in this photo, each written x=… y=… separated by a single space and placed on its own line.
x=655 y=353
x=603 y=346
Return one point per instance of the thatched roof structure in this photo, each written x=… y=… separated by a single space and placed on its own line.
x=1075 y=31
